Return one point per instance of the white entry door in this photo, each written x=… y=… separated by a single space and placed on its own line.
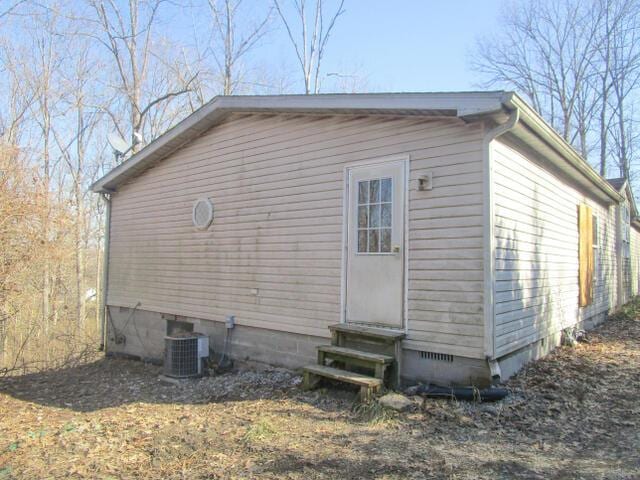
x=375 y=244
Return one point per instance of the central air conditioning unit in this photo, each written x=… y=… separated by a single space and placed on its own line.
x=185 y=355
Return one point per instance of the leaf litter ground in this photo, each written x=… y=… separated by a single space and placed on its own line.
x=574 y=414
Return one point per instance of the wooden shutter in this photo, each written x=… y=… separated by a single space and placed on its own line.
x=585 y=252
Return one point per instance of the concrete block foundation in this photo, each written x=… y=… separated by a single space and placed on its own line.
x=445 y=370
x=140 y=333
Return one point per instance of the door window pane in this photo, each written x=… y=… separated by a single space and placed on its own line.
x=363 y=193
x=375 y=215
x=362 y=240
x=385 y=190
x=374 y=191
x=386 y=215
x=385 y=240
x=373 y=240
x=363 y=220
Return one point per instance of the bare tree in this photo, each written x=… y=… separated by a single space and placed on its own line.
x=10 y=8
x=236 y=38
x=545 y=52
x=349 y=80
x=41 y=75
x=577 y=62
x=311 y=41
x=625 y=79
x=64 y=72
x=128 y=33
x=20 y=97
x=73 y=142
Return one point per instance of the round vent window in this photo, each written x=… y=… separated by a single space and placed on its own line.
x=202 y=213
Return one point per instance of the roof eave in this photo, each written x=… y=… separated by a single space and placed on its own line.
x=530 y=118
x=436 y=104
x=159 y=148
x=469 y=106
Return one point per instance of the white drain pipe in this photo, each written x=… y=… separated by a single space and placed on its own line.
x=105 y=273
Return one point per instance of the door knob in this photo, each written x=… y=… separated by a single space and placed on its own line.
x=396 y=249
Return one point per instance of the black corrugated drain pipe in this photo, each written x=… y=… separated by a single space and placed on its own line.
x=489 y=394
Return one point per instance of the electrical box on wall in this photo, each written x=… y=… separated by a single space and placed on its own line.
x=425 y=181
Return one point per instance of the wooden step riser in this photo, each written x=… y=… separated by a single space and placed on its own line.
x=372 y=340
x=356 y=354
x=368 y=386
x=366 y=394
x=366 y=345
x=378 y=370
x=393 y=350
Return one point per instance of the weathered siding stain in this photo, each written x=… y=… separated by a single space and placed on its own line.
x=272 y=256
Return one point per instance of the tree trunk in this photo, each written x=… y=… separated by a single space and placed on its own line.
x=46 y=268
x=624 y=161
x=79 y=258
x=228 y=51
x=605 y=94
x=79 y=229
x=135 y=93
x=98 y=286
x=603 y=131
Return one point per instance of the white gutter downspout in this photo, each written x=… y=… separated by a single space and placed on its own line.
x=489 y=241
x=105 y=273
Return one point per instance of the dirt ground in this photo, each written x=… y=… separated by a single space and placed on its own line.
x=575 y=414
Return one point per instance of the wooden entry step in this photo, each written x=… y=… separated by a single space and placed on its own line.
x=350 y=358
x=368 y=385
x=354 y=348
x=384 y=341
x=382 y=334
x=340 y=353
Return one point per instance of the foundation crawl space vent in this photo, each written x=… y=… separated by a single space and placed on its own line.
x=440 y=357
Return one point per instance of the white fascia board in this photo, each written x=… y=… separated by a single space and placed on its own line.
x=462 y=103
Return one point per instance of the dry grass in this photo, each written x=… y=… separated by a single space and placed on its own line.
x=572 y=415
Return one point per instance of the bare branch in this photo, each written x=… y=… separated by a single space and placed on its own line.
x=310 y=50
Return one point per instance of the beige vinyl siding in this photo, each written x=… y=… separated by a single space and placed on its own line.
x=536 y=234
x=272 y=256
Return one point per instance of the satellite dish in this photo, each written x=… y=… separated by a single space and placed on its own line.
x=137 y=137
x=119 y=145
